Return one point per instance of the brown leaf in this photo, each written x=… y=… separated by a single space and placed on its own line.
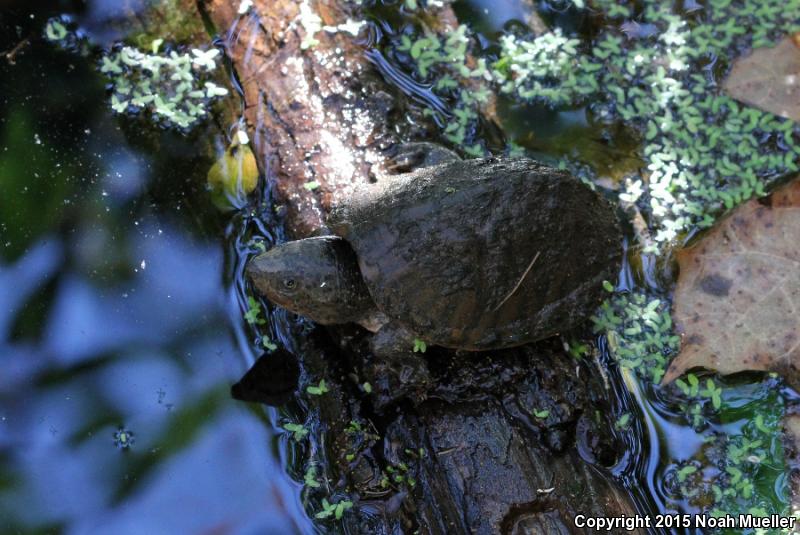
x=769 y=79
x=737 y=303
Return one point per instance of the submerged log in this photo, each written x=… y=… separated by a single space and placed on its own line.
x=493 y=439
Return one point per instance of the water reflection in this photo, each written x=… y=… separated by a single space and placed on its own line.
x=116 y=310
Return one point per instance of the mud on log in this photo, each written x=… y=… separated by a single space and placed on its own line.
x=322 y=114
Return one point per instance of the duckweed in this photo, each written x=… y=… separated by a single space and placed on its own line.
x=737 y=467
x=442 y=61
x=318 y=390
x=705 y=153
x=639 y=332
x=335 y=510
x=173 y=88
x=310 y=478
x=298 y=431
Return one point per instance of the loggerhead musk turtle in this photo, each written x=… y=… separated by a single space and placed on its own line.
x=474 y=255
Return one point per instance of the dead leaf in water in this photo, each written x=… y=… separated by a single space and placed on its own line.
x=737 y=303
x=769 y=79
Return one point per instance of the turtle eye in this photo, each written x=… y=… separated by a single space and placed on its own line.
x=289 y=284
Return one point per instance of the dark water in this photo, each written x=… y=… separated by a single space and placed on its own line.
x=121 y=306
x=118 y=310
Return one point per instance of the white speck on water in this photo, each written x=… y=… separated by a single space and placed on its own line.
x=143 y=265
x=37 y=139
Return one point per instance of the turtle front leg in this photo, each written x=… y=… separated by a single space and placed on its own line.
x=396 y=372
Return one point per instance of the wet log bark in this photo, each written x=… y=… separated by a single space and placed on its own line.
x=318 y=114
x=486 y=462
x=495 y=467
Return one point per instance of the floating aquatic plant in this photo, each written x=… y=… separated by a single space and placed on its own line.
x=318 y=390
x=538 y=69
x=700 y=399
x=732 y=470
x=639 y=332
x=173 y=87
x=442 y=60
x=335 y=510
x=298 y=431
x=124 y=438
x=56 y=30
x=705 y=153
x=253 y=314
x=310 y=478
x=61 y=31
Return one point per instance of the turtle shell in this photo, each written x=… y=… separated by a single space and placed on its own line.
x=483 y=254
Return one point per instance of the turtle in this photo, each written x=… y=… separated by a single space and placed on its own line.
x=471 y=255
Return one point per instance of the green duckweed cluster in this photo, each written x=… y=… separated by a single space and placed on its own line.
x=704 y=152
x=740 y=471
x=335 y=510
x=543 y=68
x=700 y=399
x=63 y=33
x=56 y=30
x=723 y=476
x=652 y=68
x=442 y=61
x=174 y=88
x=639 y=332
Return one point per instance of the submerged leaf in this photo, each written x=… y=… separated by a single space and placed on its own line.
x=769 y=79
x=738 y=295
x=233 y=176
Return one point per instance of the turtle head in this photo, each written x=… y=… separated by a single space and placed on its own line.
x=315 y=277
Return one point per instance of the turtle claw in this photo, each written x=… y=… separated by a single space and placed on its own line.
x=403 y=376
x=396 y=371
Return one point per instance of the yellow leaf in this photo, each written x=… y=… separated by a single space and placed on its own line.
x=233 y=176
